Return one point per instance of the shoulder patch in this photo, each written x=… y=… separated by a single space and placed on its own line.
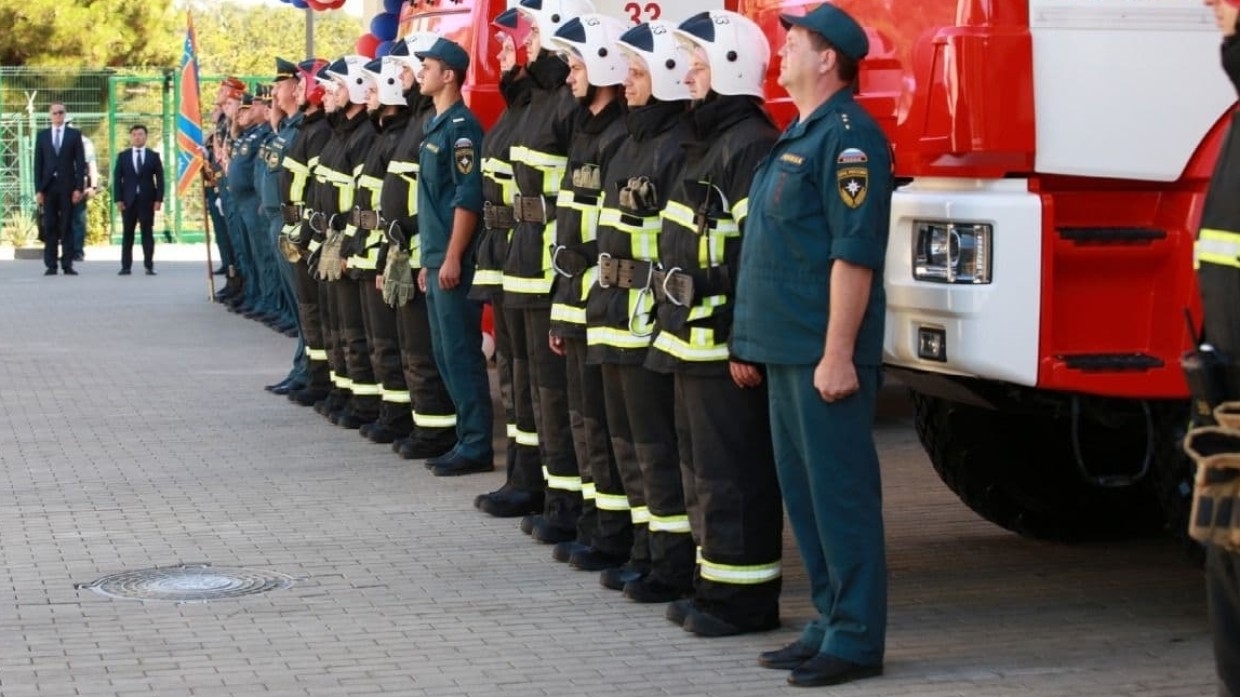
x=463 y=152
x=853 y=176
x=792 y=159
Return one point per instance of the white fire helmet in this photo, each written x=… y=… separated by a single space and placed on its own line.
x=736 y=48
x=386 y=74
x=655 y=44
x=406 y=51
x=351 y=71
x=592 y=38
x=550 y=15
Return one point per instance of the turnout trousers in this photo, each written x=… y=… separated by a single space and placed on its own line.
x=828 y=471
x=311 y=326
x=383 y=339
x=351 y=323
x=456 y=333
x=527 y=471
x=642 y=419
x=606 y=520
x=432 y=411
x=732 y=493
x=552 y=422
x=338 y=372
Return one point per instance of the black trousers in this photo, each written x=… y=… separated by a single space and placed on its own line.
x=1223 y=591
x=383 y=340
x=351 y=323
x=641 y=413
x=732 y=493
x=307 y=292
x=526 y=472
x=555 y=434
x=606 y=520
x=503 y=371
x=140 y=214
x=434 y=415
x=328 y=311
x=58 y=226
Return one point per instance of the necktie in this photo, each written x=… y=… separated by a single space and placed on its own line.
x=56 y=139
x=139 y=159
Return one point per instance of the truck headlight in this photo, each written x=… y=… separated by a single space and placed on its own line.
x=952 y=252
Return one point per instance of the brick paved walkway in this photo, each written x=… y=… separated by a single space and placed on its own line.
x=134 y=432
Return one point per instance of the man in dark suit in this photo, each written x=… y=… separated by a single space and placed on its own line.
x=138 y=189
x=59 y=175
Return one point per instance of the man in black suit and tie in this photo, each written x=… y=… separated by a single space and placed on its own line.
x=138 y=189
x=60 y=176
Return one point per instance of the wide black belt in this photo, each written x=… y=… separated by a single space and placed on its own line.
x=366 y=220
x=498 y=217
x=624 y=273
x=533 y=209
x=291 y=212
x=571 y=260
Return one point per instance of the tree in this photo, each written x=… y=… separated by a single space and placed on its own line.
x=88 y=34
x=245 y=40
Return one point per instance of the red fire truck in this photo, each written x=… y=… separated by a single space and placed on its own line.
x=1053 y=156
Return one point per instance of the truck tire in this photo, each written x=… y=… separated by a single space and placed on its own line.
x=1174 y=472
x=1018 y=470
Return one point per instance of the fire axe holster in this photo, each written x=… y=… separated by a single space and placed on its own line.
x=1215 y=517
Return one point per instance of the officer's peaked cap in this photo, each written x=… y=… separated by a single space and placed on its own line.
x=836 y=26
x=449 y=52
x=285 y=70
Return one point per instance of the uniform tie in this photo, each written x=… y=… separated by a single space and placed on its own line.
x=56 y=140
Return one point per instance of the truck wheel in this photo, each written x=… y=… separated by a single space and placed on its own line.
x=1173 y=477
x=1018 y=470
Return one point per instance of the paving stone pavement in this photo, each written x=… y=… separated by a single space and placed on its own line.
x=134 y=433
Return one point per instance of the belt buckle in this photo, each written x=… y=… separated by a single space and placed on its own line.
x=604 y=261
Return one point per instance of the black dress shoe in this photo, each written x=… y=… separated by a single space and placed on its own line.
x=563 y=551
x=283 y=383
x=123 y=272
x=459 y=465
x=286 y=388
x=50 y=272
x=619 y=577
x=825 y=669
x=71 y=272
x=591 y=559
x=708 y=624
x=151 y=272
x=441 y=459
x=648 y=590
x=512 y=503
x=79 y=257
x=547 y=532
x=678 y=610
x=788 y=657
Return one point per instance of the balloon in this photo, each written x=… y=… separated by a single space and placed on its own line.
x=333 y=4
x=393 y=6
x=384 y=26
x=384 y=48
x=366 y=45
x=316 y=5
x=299 y=4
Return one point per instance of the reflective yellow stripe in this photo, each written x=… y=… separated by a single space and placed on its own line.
x=555 y=481
x=614 y=336
x=1217 y=247
x=394 y=396
x=343 y=382
x=314 y=162
x=674 y=346
x=488 y=277
x=739 y=575
x=534 y=158
x=434 y=420
x=588 y=492
x=640 y=515
x=679 y=213
x=493 y=165
x=611 y=502
x=366 y=389
x=526 y=438
x=357 y=169
x=740 y=211
x=568 y=314
x=512 y=431
x=330 y=175
x=314 y=245
x=296 y=167
x=403 y=167
x=316 y=354
x=529 y=286
x=669 y=523
x=366 y=181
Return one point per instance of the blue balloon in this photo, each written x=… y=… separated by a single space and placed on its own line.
x=384 y=26
x=393 y=6
x=299 y=4
x=384 y=48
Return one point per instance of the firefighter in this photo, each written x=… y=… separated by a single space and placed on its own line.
x=449 y=206
x=1216 y=450
x=722 y=421
x=596 y=73
x=539 y=161
x=433 y=416
x=389 y=113
x=815 y=319
x=523 y=489
x=340 y=161
x=301 y=158
x=619 y=312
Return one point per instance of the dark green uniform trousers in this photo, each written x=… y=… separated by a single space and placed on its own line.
x=456 y=331
x=828 y=472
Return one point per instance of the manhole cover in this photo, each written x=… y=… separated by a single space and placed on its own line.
x=188 y=584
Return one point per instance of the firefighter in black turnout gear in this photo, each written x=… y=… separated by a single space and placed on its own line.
x=722 y=419
x=522 y=492
x=596 y=70
x=433 y=416
x=1213 y=372
x=619 y=317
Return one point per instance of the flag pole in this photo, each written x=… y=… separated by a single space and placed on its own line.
x=191 y=158
x=206 y=228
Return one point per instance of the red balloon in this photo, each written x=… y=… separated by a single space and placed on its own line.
x=366 y=45
x=317 y=5
x=333 y=4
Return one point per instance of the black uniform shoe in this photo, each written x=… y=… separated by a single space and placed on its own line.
x=399 y=443
x=511 y=503
x=308 y=397
x=286 y=388
x=50 y=272
x=433 y=450
x=563 y=551
x=825 y=669
x=347 y=418
x=364 y=430
x=648 y=590
x=502 y=491
x=528 y=522
x=788 y=657
x=678 y=610
x=459 y=465
x=283 y=383
x=381 y=434
x=437 y=460
x=70 y=272
x=710 y=625
x=591 y=559
x=123 y=272
x=151 y=272
x=544 y=531
x=619 y=577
